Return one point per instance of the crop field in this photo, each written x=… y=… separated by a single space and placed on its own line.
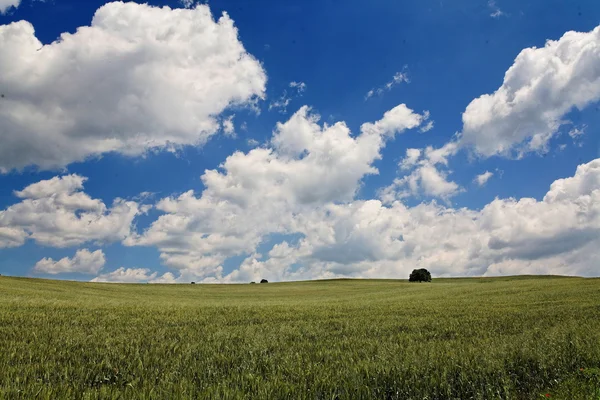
x=481 y=338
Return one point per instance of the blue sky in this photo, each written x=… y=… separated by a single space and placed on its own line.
x=449 y=55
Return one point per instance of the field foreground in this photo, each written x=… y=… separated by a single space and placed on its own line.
x=497 y=338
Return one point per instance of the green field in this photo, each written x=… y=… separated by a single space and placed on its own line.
x=502 y=338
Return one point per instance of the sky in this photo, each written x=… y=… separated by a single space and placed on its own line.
x=227 y=142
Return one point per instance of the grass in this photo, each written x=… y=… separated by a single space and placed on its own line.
x=502 y=338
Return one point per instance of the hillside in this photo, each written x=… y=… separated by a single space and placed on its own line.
x=480 y=338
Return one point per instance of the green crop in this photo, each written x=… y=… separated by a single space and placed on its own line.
x=493 y=338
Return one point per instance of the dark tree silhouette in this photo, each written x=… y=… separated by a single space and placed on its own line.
x=420 y=275
x=264 y=281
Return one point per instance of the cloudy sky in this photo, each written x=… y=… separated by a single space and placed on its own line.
x=231 y=141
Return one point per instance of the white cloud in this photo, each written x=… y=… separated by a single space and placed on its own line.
x=483 y=178
x=398 y=78
x=496 y=12
x=395 y=121
x=411 y=159
x=228 y=127
x=276 y=267
x=299 y=86
x=281 y=104
x=135 y=275
x=252 y=142
x=57 y=213
x=129 y=275
x=84 y=262
x=187 y=3
x=441 y=155
x=559 y=234
x=539 y=89
x=56 y=186
x=585 y=183
x=305 y=184
x=427 y=127
x=268 y=190
x=426 y=178
x=139 y=77
x=6 y=5
x=577 y=132
x=12 y=237
x=435 y=183
x=167 y=277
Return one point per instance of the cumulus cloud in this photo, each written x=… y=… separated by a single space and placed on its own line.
x=11 y=237
x=398 y=78
x=538 y=91
x=56 y=212
x=586 y=182
x=427 y=178
x=559 y=234
x=139 y=77
x=411 y=159
x=269 y=189
x=84 y=262
x=483 y=178
x=395 y=121
x=228 y=127
x=6 y=5
x=303 y=184
x=134 y=275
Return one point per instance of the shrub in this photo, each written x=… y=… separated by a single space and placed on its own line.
x=420 y=275
x=264 y=281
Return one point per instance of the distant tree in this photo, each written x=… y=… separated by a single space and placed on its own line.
x=193 y=283
x=264 y=281
x=252 y=283
x=420 y=275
